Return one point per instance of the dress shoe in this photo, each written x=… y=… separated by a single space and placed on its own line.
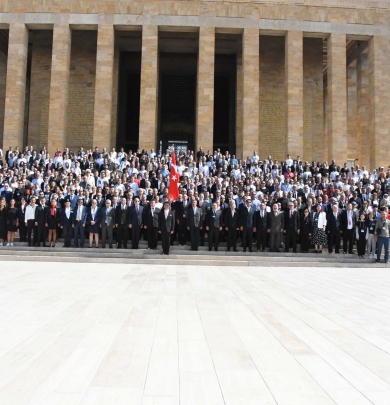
x=235 y=250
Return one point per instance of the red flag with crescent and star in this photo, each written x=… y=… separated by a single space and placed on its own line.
x=173 y=180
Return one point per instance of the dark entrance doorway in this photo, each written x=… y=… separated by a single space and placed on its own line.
x=177 y=100
x=129 y=101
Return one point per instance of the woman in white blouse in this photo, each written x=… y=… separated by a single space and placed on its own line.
x=319 y=237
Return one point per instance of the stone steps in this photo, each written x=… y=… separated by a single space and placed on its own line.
x=181 y=256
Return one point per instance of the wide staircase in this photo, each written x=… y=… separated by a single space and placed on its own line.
x=181 y=255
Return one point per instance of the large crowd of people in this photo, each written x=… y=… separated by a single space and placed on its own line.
x=116 y=198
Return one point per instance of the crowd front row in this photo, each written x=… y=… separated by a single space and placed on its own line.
x=40 y=223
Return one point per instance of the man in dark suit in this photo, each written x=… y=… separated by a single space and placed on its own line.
x=232 y=225
x=333 y=229
x=194 y=216
x=40 y=220
x=107 y=224
x=66 y=223
x=150 y=221
x=214 y=226
x=180 y=207
x=122 y=223
x=79 y=220
x=247 y=214
x=261 y=227
x=347 y=224
x=135 y=222
x=166 y=225
x=291 y=227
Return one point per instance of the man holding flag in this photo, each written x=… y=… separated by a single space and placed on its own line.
x=173 y=180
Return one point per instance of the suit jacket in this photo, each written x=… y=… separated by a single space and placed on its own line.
x=261 y=223
x=292 y=223
x=98 y=215
x=84 y=215
x=180 y=210
x=333 y=224
x=122 y=218
x=194 y=220
x=231 y=222
x=40 y=214
x=275 y=221
x=58 y=214
x=107 y=220
x=247 y=217
x=344 y=220
x=134 y=219
x=64 y=219
x=151 y=221
x=166 y=225
x=214 y=222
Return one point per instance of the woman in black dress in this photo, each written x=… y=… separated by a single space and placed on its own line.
x=21 y=214
x=3 y=221
x=12 y=222
x=53 y=218
x=306 y=230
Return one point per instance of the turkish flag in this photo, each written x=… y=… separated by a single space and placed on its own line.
x=173 y=180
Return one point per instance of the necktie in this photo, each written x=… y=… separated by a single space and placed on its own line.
x=262 y=214
x=152 y=212
x=136 y=209
x=290 y=214
x=166 y=214
x=232 y=214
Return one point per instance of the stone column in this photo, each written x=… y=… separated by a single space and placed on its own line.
x=103 y=87
x=294 y=93
x=239 y=108
x=149 y=88
x=59 y=85
x=363 y=108
x=337 y=98
x=15 y=86
x=379 y=73
x=205 y=90
x=250 y=90
x=352 y=112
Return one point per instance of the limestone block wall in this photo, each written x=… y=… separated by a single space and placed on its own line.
x=272 y=104
x=352 y=112
x=38 y=119
x=81 y=90
x=3 y=77
x=313 y=103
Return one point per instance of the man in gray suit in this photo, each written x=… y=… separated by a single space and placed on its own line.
x=275 y=225
x=194 y=215
x=214 y=225
x=107 y=224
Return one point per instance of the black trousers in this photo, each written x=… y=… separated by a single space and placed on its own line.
x=194 y=233
x=247 y=234
x=166 y=241
x=291 y=238
x=213 y=237
x=152 y=234
x=31 y=229
x=22 y=231
x=232 y=238
x=182 y=234
x=41 y=234
x=348 y=240
x=67 y=235
x=201 y=234
x=135 y=235
x=334 y=239
x=123 y=235
x=361 y=245
x=305 y=241
x=261 y=236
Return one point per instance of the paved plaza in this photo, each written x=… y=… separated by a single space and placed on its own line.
x=96 y=334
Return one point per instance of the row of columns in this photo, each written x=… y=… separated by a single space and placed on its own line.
x=247 y=138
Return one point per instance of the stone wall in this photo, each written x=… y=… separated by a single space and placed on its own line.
x=3 y=77
x=272 y=104
x=81 y=90
x=39 y=88
x=313 y=108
